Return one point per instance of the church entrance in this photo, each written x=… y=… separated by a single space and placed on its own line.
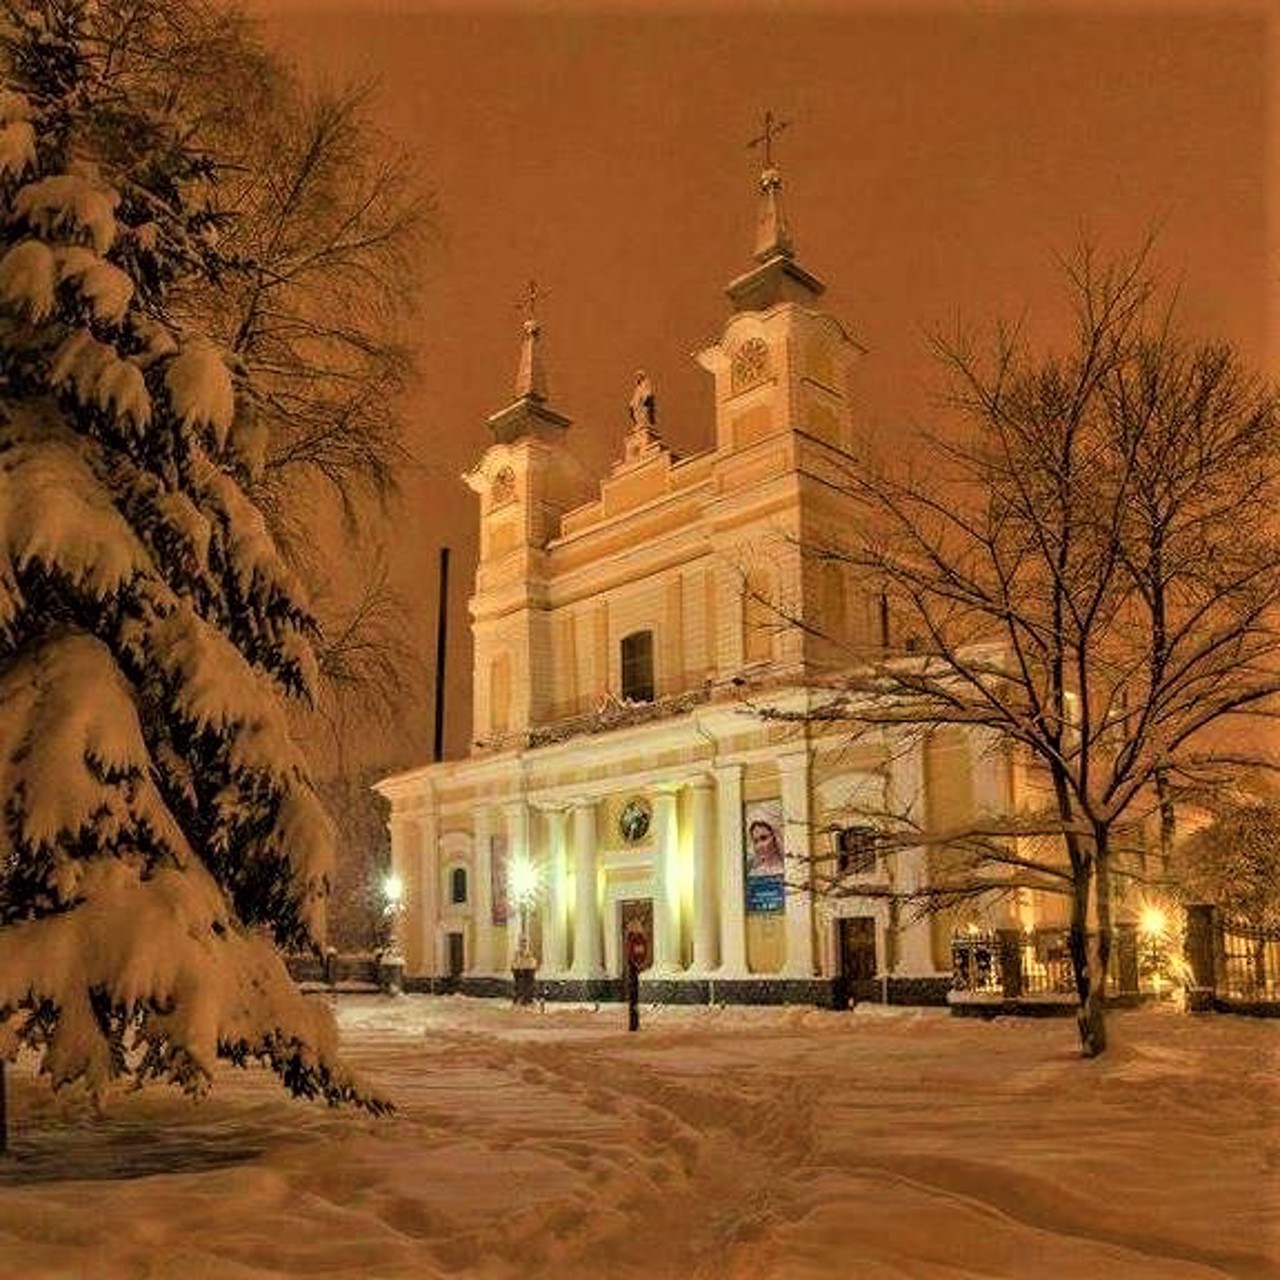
x=457 y=955
x=635 y=918
x=857 y=956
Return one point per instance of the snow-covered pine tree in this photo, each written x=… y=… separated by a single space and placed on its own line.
x=159 y=836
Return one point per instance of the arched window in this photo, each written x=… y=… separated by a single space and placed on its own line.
x=500 y=694
x=759 y=617
x=835 y=612
x=637 y=667
x=458 y=886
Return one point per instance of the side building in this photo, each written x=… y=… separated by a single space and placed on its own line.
x=623 y=630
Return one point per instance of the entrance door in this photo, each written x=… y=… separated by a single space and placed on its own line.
x=635 y=918
x=457 y=955
x=858 y=956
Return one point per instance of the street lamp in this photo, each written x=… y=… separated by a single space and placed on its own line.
x=523 y=885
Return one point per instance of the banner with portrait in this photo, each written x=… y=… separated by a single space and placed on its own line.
x=764 y=857
x=498 y=877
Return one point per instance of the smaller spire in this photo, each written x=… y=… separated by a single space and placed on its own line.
x=777 y=276
x=773 y=239
x=531 y=375
x=529 y=414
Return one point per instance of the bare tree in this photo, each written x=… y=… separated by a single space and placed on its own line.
x=1090 y=578
x=321 y=226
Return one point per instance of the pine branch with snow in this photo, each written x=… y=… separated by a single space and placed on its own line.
x=159 y=836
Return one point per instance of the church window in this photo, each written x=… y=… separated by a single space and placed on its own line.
x=504 y=487
x=857 y=849
x=835 y=620
x=759 y=617
x=750 y=365
x=500 y=694
x=637 y=667
x=458 y=886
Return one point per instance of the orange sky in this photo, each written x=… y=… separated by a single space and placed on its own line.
x=940 y=153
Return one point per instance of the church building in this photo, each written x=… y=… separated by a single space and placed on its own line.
x=622 y=790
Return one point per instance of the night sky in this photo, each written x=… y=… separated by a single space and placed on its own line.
x=939 y=156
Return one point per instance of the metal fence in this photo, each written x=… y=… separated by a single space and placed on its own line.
x=1249 y=961
x=1035 y=964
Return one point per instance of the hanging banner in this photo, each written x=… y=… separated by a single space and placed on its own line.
x=764 y=857
x=498 y=877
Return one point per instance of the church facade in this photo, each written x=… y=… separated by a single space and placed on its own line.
x=626 y=633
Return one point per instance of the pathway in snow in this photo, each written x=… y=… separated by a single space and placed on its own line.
x=713 y=1145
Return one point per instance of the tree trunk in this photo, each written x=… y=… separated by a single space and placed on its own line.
x=1168 y=820
x=1091 y=1019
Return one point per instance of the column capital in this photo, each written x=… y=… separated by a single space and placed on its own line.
x=794 y=761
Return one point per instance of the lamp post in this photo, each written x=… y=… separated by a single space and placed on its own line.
x=523 y=884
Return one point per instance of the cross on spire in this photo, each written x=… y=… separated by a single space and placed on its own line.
x=772 y=127
x=528 y=303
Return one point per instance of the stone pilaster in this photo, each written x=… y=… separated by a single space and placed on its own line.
x=517 y=821
x=554 y=903
x=586 y=903
x=666 y=886
x=793 y=771
x=426 y=951
x=905 y=793
x=481 y=957
x=733 y=904
x=706 y=951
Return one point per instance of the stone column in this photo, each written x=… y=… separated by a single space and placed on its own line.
x=586 y=903
x=518 y=850
x=905 y=792
x=733 y=890
x=480 y=958
x=793 y=772
x=427 y=926
x=706 y=952
x=666 y=885
x=553 y=893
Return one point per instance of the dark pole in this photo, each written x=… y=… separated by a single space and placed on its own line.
x=442 y=635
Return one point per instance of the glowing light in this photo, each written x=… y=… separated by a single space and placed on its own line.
x=393 y=890
x=1153 y=920
x=972 y=929
x=522 y=879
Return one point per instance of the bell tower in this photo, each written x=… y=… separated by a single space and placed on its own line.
x=525 y=482
x=783 y=371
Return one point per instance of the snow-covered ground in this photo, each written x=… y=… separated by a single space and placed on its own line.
x=715 y=1144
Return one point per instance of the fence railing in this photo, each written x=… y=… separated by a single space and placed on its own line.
x=1248 y=961
x=1036 y=964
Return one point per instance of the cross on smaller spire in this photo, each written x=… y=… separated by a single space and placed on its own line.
x=528 y=303
x=772 y=127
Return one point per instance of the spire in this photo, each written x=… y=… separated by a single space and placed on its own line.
x=778 y=277
x=773 y=239
x=531 y=376
x=528 y=414
x=772 y=236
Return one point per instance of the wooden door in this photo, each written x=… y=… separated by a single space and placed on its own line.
x=858 y=949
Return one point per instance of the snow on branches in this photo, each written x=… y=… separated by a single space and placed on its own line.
x=158 y=832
